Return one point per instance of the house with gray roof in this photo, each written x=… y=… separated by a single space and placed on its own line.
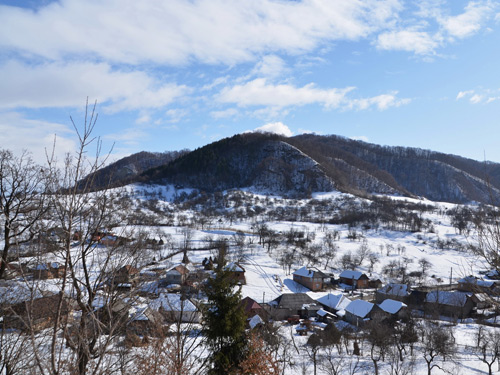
x=289 y=304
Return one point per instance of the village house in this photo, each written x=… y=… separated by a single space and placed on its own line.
x=289 y=304
x=358 y=312
x=174 y=307
x=476 y=285
x=237 y=272
x=311 y=278
x=391 y=309
x=143 y=320
x=252 y=308
x=125 y=278
x=46 y=271
x=334 y=303
x=354 y=279
x=398 y=292
x=37 y=314
x=176 y=275
x=451 y=303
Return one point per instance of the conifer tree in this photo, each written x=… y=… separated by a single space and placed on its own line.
x=224 y=325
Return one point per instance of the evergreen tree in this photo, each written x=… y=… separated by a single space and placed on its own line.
x=224 y=324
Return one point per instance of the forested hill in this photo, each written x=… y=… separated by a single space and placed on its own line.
x=436 y=176
x=128 y=168
x=300 y=165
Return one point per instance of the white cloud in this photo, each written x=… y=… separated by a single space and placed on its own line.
x=469 y=22
x=419 y=42
x=270 y=66
x=275 y=127
x=476 y=98
x=483 y=96
x=20 y=133
x=261 y=93
x=178 y=31
x=463 y=94
x=67 y=85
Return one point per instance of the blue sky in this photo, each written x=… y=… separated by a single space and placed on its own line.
x=177 y=74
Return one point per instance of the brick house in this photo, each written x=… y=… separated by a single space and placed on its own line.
x=311 y=278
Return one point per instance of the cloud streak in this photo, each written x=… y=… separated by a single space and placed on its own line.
x=177 y=31
x=67 y=85
x=259 y=92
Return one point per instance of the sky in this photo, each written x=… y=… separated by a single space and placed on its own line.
x=180 y=74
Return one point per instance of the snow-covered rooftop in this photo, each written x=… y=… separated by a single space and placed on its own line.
x=172 y=302
x=359 y=308
x=334 y=301
x=400 y=290
x=454 y=298
x=391 y=306
x=350 y=274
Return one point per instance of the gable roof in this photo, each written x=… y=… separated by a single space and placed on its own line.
x=250 y=304
x=234 y=267
x=305 y=272
x=391 y=306
x=350 y=274
x=293 y=301
x=400 y=290
x=359 y=308
x=454 y=298
x=172 y=302
x=334 y=301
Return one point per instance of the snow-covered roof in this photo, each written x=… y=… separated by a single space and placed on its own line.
x=350 y=274
x=172 y=302
x=475 y=281
x=323 y=313
x=400 y=290
x=359 y=308
x=447 y=298
x=391 y=306
x=255 y=321
x=334 y=301
x=304 y=272
x=234 y=267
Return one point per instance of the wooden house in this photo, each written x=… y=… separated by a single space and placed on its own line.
x=398 y=292
x=176 y=275
x=311 y=278
x=451 y=303
x=237 y=272
x=391 y=309
x=354 y=279
x=125 y=277
x=358 y=312
x=289 y=304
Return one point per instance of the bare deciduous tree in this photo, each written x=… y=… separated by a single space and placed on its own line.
x=22 y=201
